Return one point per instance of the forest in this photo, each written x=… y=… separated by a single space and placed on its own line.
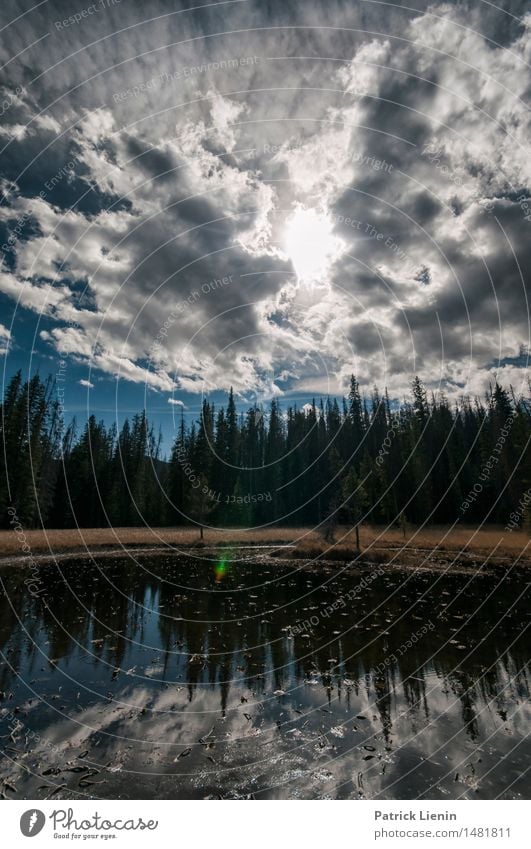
x=356 y=459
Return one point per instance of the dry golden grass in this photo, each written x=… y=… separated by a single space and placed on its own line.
x=377 y=543
x=94 y=538
x=464 y=538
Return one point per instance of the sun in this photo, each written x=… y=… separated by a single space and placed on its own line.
x=311 y=245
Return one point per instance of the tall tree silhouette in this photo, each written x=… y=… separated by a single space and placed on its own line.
x=418 y=460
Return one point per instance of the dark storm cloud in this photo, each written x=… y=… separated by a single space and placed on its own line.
x=157 y=164
x=480 y=298
x=58 y=174
x=408 y=121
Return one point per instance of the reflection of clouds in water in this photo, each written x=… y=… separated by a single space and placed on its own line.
x=420 y=729
x=209 y=692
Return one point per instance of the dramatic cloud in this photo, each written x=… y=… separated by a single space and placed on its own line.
x=5 y=338
x=232 y=196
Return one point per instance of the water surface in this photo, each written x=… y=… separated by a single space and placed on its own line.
x=187 y=678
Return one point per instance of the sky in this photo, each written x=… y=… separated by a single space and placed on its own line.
x=265 y=195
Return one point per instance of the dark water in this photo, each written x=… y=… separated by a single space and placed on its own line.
x=176 y=679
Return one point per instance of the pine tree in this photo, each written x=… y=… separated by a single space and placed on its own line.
x=355 y=500
x=421 y=457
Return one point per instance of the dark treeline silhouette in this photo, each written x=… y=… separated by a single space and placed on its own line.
x=424 y=460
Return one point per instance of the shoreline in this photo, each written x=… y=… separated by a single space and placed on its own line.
x=436 y=550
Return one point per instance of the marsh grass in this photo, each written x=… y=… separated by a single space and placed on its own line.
x=377 y=544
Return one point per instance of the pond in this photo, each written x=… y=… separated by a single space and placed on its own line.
x=171 y=677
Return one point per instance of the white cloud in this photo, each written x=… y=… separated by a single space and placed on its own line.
x=409 y=140
x=5 y=340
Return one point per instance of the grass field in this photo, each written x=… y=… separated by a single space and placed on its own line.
x=439 y=545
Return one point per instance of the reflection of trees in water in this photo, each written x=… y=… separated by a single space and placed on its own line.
x=199 y=640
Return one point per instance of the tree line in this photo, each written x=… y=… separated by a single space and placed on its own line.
x=349 y=460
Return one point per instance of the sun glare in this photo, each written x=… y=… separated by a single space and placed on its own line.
x=311 y=245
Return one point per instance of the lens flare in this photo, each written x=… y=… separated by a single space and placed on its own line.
x=220 y=570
